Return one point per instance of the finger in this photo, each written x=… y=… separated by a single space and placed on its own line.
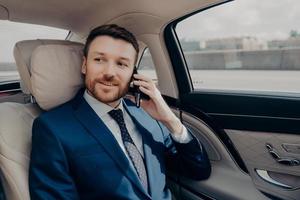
x=142 y=77
x=146 y=91
x=131 y=84
x=143 y=84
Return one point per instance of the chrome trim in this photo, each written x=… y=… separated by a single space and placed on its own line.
x=265 y=176
x=12 y=90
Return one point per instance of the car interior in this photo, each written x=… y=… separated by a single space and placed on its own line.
x=252 y=139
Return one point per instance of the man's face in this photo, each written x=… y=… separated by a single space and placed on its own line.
x=108 y=68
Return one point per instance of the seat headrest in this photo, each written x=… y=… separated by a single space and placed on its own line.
x=50 y=70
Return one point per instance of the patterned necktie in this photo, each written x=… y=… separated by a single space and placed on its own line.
x=130 y=147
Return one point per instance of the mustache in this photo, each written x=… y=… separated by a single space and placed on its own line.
x=106 y=79
x=110 y=79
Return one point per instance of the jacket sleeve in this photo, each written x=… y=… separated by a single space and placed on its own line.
x=187 y=159
x=49 y=176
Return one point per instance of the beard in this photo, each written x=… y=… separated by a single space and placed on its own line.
x=106 y=95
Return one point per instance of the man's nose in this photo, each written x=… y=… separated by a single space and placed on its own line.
x=109 y=69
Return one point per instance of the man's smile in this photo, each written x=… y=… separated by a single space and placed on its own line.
x=107 y=83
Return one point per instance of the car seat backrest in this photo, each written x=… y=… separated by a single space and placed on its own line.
x=50 y=72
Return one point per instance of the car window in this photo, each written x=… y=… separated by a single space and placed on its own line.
x=246 y=45
x=146 y=66
x=11 y=33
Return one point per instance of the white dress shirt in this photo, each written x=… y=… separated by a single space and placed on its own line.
x=102 y=110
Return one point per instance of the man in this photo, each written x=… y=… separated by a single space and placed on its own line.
x=101 y=146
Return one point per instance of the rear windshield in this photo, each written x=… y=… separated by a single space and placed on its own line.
x=12 y=32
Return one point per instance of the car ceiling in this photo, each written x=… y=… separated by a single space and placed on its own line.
x=139 y=16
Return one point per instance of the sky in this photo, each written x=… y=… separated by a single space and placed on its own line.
x=263 y=19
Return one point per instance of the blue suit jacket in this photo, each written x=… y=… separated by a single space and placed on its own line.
x=75 y=156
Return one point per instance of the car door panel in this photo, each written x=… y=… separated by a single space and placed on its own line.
x=248 y=133
x=267 y=173
x=226 y=175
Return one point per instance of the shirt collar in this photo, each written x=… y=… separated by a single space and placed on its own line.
x=99 y=107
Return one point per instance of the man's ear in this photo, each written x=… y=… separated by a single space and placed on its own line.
x=83 y=67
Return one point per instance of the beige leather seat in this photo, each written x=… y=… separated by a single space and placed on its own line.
x=50 y=72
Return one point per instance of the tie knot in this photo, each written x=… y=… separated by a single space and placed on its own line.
x=117 y=115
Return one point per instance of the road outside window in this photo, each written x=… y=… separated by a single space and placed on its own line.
x=246 y=45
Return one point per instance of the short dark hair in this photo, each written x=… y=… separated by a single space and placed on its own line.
x=113 y=31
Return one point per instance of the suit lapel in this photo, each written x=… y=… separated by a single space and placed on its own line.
x=95 y=126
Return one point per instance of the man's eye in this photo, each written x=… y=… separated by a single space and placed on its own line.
x=98 y=59
x=122 y=64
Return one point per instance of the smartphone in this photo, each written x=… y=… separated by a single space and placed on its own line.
x=135 y=91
